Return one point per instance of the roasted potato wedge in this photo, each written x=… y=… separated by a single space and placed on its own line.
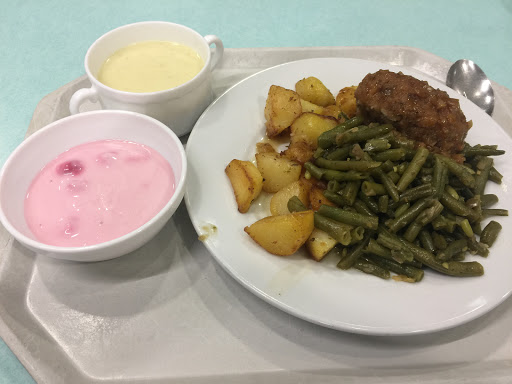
x=299 y=151
x=346 y=100
x=246 y=181
x=277 y=171
x=279 y=202
x=281 y=109
x=317 y=198
x=265 y=147
x=282 y=235
x=310 y=107
x=319 y=244
x=333 y=111
x=313 y=90
x=308 y=126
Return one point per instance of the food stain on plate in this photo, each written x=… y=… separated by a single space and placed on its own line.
x=207 y=230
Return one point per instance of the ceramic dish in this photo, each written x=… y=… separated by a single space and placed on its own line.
x=27 y=160
x=319 y=292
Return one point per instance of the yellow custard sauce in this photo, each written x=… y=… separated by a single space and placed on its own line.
x=150 y=66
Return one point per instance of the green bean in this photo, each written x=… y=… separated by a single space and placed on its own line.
x=439 y=177
x=387 y=166
x=393 y=176
x=383 y=203
x=483 y=150
x=296 y=205
x=444 y=223
x=452 y=268
x=318 y=153
x=398 y=252
x=463 y=173
x=315 y=171
x=338 y=153
x=366 y=266
x=377 y=145
x=362 y=208
x=349 y=192
x=327 y=139
x=483 y=167
x=333 y=197
x=458 y=207
x=338 y=231
x=412 y=170
x=390 y=154
x=362 y=133
x=490 y=233
x=452 y=249
x=495 y=176
x=369 y=202
x=351 y=218
x=424 y=218
x=426 y=241
x=477 y=247
x=343 y=176
x=439 y=241
x=334 y=186
x=339 y=165
x=401 y=210
x=408 y=216
x=488 y=200
x=416 y=193
x=355 y=253
x=452 y=192
x=415 y=274
x=494 y=212
x=466 y=227
x=370 y=188
x=400 y=168
x=397 y=140
x=390 y=187
x=357 y=234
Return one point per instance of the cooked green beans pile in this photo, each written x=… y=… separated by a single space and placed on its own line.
x=398 y=208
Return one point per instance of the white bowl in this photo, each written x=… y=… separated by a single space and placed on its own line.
x=27 y=160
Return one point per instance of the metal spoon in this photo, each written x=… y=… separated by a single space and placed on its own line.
x=468 y=79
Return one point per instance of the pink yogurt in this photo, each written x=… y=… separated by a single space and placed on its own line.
x=97 y=192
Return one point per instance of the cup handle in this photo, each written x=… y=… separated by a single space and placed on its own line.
x=80 y=96
x=219 y=49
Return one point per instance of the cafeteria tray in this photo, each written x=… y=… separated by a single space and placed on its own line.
x=168 y=313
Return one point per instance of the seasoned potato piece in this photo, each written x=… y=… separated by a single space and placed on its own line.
x=317 y=198
x=246 y=181
x=282 y=235
x=319 y=244
x=299 y=150
x=278 y=171
x=314 y=91
x=281 y=109
x=308 y=126
x=310 y=107
x=347 y=101
x=263 y=147
x=279 y=202
x=332 y=110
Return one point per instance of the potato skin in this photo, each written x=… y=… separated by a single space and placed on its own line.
x=246 y=181
x=281 y=109
x=282 y=235
x=313 y=90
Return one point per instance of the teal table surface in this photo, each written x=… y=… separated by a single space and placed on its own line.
x=43 y=44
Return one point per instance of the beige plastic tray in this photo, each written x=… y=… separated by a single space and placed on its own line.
x=168 y=313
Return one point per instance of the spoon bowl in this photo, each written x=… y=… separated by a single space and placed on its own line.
x=468 y=79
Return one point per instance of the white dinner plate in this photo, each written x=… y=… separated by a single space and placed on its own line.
x=319 y=292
